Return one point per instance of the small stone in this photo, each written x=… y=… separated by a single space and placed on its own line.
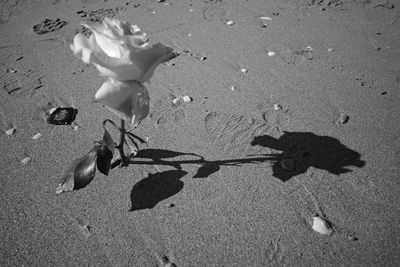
x=244 y=70
x=25 y=160
x=186 y=99
x=10 y=131
x=288 y=164
x=343 y=118
x=233 y=88
x=37 y=136
x=266 y=18
x=271 y=54
x=331 y=49
x=191 y=10
x=229 y=22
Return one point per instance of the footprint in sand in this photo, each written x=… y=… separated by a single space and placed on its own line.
x=20 y=83
x=96 y=16
x=164 y=113
x=49 y=25
x=234 y=131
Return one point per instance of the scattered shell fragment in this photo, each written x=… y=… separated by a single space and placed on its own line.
x=277 y=107
x=186 y=99
x=321 y=226
x=271 y=54
x=12 y=71
x=244 y=70
x=37 y=136
x=25 y=160
x=52 y=110
x=176 y=101
x=288 y=165
x=266 y=18
x=343 y=118
x=10 y=131
x=229 y=22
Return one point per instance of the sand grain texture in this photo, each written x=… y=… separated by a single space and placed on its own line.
x=209 y=189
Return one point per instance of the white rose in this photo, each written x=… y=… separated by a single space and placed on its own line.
x=120 y=51
x=129 y=100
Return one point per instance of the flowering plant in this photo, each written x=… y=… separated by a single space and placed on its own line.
x=122 y=53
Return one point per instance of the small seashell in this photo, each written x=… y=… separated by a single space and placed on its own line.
x=277 y=107
x=186 y=99
x=177 y=101
x=288 y=165
x=271 y=54
x=229 y=22
x=266 y=18
x=244 y=70
x=343 y=118
x=309 y=48
x=233 y=88
x=37 y=136
x=331 y=49
x=10 y=131
x=321 y=226
x=25 y=160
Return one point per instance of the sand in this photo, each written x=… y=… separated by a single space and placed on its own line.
x=294 y=114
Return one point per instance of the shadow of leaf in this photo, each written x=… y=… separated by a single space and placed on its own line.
x=156 y=187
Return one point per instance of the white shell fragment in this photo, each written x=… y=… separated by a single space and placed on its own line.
x=229 y=22
x=321 y=226
x=271 y=54
x=25 y=160
x=176 y=101
x=288 y=165
x=52 y=110
x=233 y=88
x=10 y=131
x=331 y=49
x=266 y=18
x=244 y=70
x=277 y=107
x=37 y=136
x=186 y=99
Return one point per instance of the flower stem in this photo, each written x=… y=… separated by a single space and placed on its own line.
x=124 y=159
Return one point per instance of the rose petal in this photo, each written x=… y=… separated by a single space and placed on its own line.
x=128 y=100
x=124 y=58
